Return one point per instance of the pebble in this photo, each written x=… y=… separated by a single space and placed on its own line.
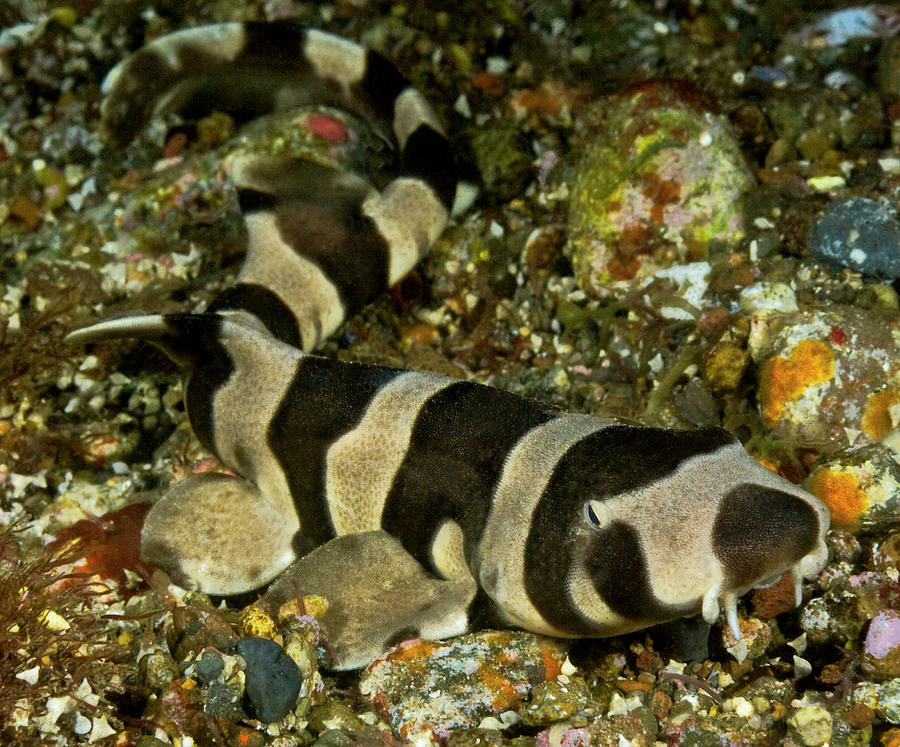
x=209 y=665
x=811 y=724
x=691 y=283
x=553 y=701
x=756 y=636
x=831 y=619
x=768 y=296
x=224 y=701
x=334 y=714
x=157 y=670
x=273 y=679
x=861 y=234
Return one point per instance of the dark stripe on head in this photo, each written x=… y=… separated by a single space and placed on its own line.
x=325 y=400
x=381 y=84
x=265 y=306
x=428 y=156
x=759 y=530
x=198 y=336
x=618 y=568
x=615 y=460
x=460 y=440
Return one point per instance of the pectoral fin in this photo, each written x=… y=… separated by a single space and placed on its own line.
x=378 y=595
x=216 y=533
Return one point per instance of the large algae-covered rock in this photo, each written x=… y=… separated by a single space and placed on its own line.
x=662 y=179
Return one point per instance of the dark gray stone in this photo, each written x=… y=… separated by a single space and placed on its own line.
x=209 y=666
x=273 y=679
x=861 y=234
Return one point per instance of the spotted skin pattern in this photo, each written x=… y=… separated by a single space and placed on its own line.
x=468 y=496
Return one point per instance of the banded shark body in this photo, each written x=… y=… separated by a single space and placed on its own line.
x=459 y=502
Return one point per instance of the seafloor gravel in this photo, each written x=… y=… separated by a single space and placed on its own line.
x=686 y=214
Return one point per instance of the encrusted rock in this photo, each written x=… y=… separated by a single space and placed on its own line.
x=811 y=725
x=827 y=374
x=424 y=688
x=881 y=649
x=860 y=486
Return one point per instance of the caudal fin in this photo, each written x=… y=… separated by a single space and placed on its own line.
x=180 y=336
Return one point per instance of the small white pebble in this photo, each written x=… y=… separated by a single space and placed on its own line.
x=497 y=65
x=568 y=668
x=802 y=668
x=799 y=643
x=29 y=675
x=56 y=707
x=54 y=621
x=461 y=106
x=617 y=706
x=82 y=724
x=739 y=651
x=826 y=183
x=743 y=707
x=89 y=363
x=858 y=256
x=890 y=165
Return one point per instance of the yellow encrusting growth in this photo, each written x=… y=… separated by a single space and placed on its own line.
x=784 y=380
x=841 y=492
x=876 y=419
x=254 y=621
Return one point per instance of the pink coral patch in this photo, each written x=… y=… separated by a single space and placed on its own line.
x=328 y=128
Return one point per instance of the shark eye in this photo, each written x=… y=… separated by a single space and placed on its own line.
x=596 y=513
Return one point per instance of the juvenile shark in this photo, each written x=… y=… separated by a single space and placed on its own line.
x=459 y=502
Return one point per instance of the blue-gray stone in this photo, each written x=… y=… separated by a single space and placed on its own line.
x=273 y=679
x=861 y=234
x=209 y=666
